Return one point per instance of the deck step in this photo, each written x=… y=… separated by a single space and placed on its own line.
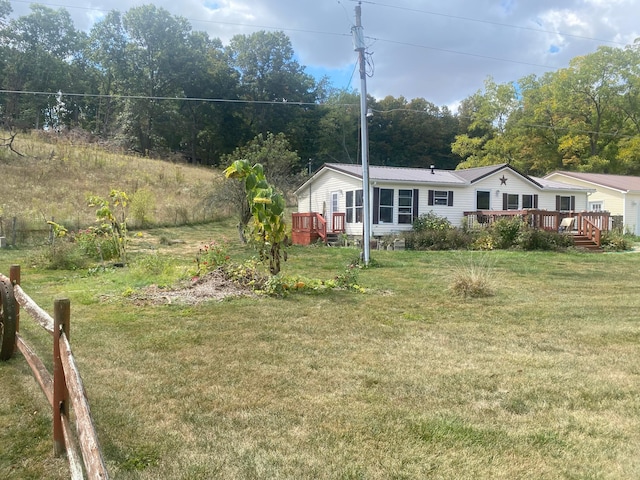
x=581 y=241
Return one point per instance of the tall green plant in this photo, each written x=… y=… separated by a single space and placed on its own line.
x=267 y=209
x=108 y=211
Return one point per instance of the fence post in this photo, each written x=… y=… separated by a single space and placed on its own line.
x=61 y=319
x=14 y=276
x=13 y=231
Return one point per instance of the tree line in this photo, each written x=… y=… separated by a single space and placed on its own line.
x=146 y=81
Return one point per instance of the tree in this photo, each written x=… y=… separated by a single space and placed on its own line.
x=487 y=139
x=274 y=82
x=156 y=59
x=43 y=45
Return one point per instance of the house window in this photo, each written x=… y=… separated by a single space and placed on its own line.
x=595 y=206
x=483 y=200
x=441 y=197
x=512 y=201
x=565 y=203
x=354 y=206
x=386 y=205
x=529 y=201
x=405 y=206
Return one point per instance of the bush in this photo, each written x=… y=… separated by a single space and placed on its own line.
x=431 y=222
x=505 y=231
x=451 y=239
x=432 y=232
x=142 y=207
x=534 y=239
x=616 y=241
x=64 y=255
x=96 y=244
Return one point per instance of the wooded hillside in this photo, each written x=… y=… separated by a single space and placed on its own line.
x=145 y=81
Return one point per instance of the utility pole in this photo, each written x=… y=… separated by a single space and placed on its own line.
x=359 y=46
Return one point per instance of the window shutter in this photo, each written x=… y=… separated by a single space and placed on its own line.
x=535 y=201
x=557 y=203
x=376 y=205
x=415 y=203
x=573 y=202
x=430 y=197
x=505 y=201
x=450 y=199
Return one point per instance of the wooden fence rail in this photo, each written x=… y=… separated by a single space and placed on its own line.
x=65 y=388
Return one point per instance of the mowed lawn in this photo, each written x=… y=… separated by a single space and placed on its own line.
x=540 y=380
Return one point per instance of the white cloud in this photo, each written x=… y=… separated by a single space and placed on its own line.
x=442 y=51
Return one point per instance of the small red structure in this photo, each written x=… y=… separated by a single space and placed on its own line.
x=307 y=228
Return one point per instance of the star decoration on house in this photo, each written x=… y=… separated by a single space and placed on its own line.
x=503 y=180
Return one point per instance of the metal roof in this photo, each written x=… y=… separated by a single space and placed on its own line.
x=436 y=177
x=622 y=183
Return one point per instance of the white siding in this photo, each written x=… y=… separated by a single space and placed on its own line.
x=316 y=197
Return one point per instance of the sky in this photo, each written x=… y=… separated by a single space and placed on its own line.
x=440 y=51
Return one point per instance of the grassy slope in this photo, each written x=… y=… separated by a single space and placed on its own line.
x=55 y=176
x=405 y=381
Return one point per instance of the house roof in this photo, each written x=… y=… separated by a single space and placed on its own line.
x=399 y=174
x=437 y=177
x=622 y=183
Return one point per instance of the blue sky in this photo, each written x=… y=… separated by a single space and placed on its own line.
x=440 y=51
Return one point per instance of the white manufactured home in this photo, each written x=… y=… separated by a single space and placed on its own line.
x=332 y=199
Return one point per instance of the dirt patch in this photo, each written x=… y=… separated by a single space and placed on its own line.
x=214 y=286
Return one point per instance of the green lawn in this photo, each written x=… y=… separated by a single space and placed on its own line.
x=540 y=380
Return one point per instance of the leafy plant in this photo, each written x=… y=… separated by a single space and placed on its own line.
x=108 y=212
x=267 y=205
x=616 y=241
x=212 y=255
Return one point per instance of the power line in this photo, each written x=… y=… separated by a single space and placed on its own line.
x=283 y=102
x=488 y=57
x=489 y=22
x=319 y=32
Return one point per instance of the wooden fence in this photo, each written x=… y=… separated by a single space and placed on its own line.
x=64 y=389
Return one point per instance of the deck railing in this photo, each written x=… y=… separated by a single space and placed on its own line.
x=315 y=223
x=64 y=389
x=541 y=219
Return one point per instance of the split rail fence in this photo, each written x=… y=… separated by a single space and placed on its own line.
x=65 y=388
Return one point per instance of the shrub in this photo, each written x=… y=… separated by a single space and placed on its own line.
x=211 y=256
x=431 y=221
x=505 y=231
x=535 y=239
x=96 y=244
x=616 y=241
x=432 y=232
x=142 y=206
x=64 y=255
x=451 y=239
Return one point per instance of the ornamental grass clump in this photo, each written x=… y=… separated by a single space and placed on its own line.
x=473 y=279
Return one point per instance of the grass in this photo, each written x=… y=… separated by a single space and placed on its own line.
x=57 y=174
x=539 y=380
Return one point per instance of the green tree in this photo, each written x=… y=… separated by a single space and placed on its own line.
x=43 y=47
x=487 y=140
x=156 y=54
x=268 y=72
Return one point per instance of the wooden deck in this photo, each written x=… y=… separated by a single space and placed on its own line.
x=307 y=228
x=586 y=224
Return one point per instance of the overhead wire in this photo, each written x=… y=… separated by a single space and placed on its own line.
x=489 y=22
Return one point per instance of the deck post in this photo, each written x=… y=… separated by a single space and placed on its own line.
x=61 y=318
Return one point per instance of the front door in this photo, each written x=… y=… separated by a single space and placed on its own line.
x=333 y=208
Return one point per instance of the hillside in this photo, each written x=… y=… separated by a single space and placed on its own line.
x=56 y=174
